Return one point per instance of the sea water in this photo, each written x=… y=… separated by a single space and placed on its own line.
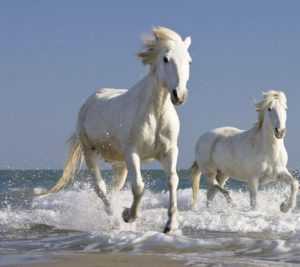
x=73 y=221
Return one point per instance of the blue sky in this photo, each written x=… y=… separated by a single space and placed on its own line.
x=54 y=54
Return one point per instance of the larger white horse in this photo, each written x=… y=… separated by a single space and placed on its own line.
x=257 y=155
x=129 y=127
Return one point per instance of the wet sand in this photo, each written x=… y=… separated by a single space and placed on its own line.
x=128 y=260
x=104 y=260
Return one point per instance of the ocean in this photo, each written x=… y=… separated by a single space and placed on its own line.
x=73 y=221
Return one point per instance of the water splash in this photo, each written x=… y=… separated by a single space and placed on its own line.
x=75 y=220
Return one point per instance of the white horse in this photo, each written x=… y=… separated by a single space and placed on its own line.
x=257 y=155
x=129 y=127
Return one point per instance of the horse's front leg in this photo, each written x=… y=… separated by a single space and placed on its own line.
x=212 y=191
x=290 y=180
x=169 y=162
x=137 y=185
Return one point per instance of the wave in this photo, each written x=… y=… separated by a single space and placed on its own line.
x=75 y=220
x=80 y=209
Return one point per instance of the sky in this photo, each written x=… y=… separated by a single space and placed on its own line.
x=54 y=54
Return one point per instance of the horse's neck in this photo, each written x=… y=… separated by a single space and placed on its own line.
x=153 y=98
x=268 y=143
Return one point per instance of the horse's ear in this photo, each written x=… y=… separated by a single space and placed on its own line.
x=187 y=42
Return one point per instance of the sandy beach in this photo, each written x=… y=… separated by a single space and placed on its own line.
x=141 y=260
x=103 y=260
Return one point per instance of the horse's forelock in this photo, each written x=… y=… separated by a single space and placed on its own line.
x=271 y=95
x=164 y=34
x=160 y=38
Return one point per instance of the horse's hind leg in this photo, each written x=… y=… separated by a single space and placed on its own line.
x=221 y=179
x=215 y=184
x=211 y=189
x=119 y=174
x=196 y=176
x=92 y=160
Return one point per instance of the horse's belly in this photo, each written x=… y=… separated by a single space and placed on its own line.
x=111 y=150
x=110 y=153
x=233 y=167
x=234 y=173
x=266 y=179
x=147 y=155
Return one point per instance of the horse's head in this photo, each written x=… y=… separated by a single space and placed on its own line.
x=272 y=111
x=168 y=56
x=173 y=68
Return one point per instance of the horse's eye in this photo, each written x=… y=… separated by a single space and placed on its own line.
x=269 y=109
x=190 y=62
x=166 y=60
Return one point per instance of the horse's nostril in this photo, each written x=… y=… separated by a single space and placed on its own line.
x=174 y=92
x=279 y=131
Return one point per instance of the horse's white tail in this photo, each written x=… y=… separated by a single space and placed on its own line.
x=196 y=175
x=72 y=164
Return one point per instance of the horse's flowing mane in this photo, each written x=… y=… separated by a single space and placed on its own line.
x=155 y=42
x=268 y=98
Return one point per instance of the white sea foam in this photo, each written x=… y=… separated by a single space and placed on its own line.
x=80 y=209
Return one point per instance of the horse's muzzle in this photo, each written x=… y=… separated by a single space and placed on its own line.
x=279 y=133
x=178 y=99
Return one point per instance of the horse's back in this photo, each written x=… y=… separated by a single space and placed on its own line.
x=99 y=118
x=207 y=143
x=103 y=97
x=225 y=132
x=209 y=139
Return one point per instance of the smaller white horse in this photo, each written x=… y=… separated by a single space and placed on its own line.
x=257 y=155
x=129 y=127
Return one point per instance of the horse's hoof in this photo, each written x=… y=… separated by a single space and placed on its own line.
x=284 y=207
x=172 y=230
x=167 y=229
x=171 y=226
x=127 y=216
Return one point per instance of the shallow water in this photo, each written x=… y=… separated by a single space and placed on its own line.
x=74 y=220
